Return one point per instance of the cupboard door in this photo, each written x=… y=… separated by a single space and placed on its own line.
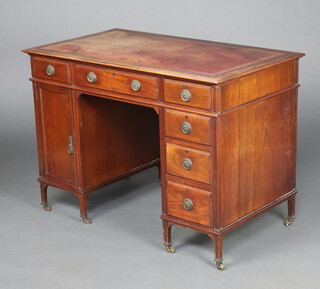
x=54 y=118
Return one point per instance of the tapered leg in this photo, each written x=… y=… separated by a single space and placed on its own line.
x=291 y=210
x=292 y=207
x=167 y=236
x=218 y=241
x=44 y=197
x=83 y=208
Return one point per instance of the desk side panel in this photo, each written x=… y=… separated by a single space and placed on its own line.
x=256 y=155
x=256 y=85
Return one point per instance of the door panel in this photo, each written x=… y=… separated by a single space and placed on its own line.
x=55 y=113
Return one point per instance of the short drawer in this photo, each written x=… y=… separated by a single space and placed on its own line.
x=117 y=81
x=187 y=126
x=189 y=203
x=188 y=163
x=52 y=69
x=188 y=94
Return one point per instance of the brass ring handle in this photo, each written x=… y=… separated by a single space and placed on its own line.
x=50 y=70
x=187 y=164
x=188 y=204
x=91 y=77
x=135 y=85
x=186 y=127
x=185 y=95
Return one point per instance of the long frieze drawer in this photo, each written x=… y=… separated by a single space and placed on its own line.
x=117 y=81
x=187 y=126
x=188 y=163
x=189 y=94
x=51 y=69
x=189 y=203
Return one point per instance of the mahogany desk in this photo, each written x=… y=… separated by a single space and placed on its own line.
x=222 y=119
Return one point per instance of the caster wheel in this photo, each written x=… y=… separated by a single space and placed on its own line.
x=220 y=265
x=46 y=207
x=288 y=222
x=86 y=220
x=170 y=249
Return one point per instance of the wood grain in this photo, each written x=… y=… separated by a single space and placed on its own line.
x=55 y=126
x=117 y=81
x=200 y=213
x=257 y=85
x=200 y=94
x=201 y=169
x=62 y=69
x=200 y=127
x=115 y=137
x=257 y=155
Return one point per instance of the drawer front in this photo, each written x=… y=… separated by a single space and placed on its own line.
x=57 y=70
x=189 y=203
x=189 y=94
x=188 y=163
x=187 y=126
x=117 y=81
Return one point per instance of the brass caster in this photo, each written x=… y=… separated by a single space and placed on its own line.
x=220 y=265
x=86 y=220
x=170 y=249
x=46 y=207
x=288 y=221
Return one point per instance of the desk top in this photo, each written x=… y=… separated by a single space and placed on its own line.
x=200 y=60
